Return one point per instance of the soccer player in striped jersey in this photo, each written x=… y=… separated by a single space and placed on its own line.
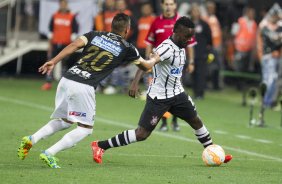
x=165 y=93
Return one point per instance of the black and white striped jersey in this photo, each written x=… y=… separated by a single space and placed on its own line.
x=167 y=73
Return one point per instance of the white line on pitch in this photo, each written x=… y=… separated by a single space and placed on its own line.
x=263 y=141
x=243 y=136
x=107 y=121
x=220 y=132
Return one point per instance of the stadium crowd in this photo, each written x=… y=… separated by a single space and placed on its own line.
x=240 y=37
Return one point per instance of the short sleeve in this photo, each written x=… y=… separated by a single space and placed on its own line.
x=88 y=36
x=132 y=54
x=164 y=51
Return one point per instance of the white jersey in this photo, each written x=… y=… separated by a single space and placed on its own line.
x=167 y=73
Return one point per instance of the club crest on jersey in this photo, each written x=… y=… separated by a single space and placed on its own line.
x=80 y=114
x=176 y=72
x=154 y=120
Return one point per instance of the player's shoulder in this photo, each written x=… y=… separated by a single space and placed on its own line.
x=166 y=43
x=166 y=46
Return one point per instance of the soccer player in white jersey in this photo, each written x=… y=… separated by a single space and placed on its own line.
x=75 y=97
x=165 y=93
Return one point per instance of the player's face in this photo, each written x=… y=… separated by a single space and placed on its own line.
x=183 y=35
x=63 y=6
x=146 y=10
x=169 y=8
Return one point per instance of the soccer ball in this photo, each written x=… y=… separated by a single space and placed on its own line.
x=213 y=155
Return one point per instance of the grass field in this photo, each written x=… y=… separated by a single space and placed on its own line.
x=173 y=158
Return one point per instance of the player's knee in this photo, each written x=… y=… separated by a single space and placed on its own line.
x=87 y=131
x=65 y=123
x=195 y=122
x=141 y=138
x=142 y=134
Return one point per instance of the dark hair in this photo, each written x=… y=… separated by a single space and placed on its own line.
x=183 y=21
x=120 y=22
x=175 y=1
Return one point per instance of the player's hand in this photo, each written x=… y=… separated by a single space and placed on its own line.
x=47 y=68
x=134 y=91
x=155 y=56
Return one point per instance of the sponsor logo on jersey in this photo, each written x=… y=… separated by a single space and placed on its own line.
x=160 y=31
x=62 y=22
x=79 y=72
x=80 y=114
x=107 y=44
x=176 y=72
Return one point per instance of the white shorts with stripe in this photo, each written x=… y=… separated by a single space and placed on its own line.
x=75 y=102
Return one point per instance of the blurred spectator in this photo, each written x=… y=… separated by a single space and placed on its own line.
x=144 y=24
x=63 y=30
x=204 y=44
x=244 y=32
x=269 y=52
x=216 y=62
x=121 y=6
x=103 y=21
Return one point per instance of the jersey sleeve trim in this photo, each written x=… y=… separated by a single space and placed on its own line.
x=84 y=39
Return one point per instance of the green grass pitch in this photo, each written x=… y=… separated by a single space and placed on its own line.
x=171 y=157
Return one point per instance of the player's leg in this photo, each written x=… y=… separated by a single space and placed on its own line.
x=81 y=109
x=68 y=140
x=149 y=119
x=53 y=126
x=50 y=128
x=185 y=109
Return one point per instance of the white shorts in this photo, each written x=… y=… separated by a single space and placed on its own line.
x=75 y=102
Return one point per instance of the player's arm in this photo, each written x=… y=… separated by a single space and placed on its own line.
x=148 y=51
x=146 y=65
x=134 y=86
x=190 y=56
x=71 y=48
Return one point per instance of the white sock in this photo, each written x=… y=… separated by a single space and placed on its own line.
x=201 y=130
x=69 y=140
x=50 y=128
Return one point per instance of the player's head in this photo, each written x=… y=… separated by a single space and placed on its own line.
x=183 y=30
x=169 y=7
x=195 y=12
x=121 y=24
x=211 y=7
x=146 y=9
x=64 y=5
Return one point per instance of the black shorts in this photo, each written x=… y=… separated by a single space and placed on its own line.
x=180 y=105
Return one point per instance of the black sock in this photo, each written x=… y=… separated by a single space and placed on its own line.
x=122 y=139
